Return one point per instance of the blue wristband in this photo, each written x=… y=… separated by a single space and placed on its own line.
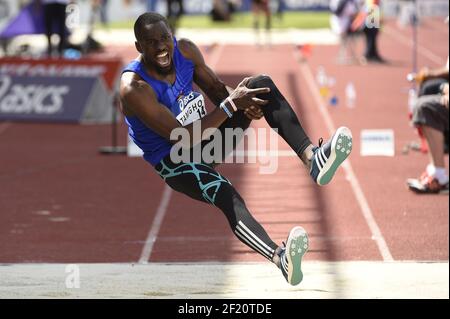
x=225 y=109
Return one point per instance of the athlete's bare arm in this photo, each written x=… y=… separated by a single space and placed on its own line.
x=139 y=99
x=210 y=83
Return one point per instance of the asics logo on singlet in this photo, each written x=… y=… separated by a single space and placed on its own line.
x=192 y=108
x=184 y=101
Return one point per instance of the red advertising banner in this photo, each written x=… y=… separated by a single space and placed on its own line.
x=107 y=68
x=58 y=90
x=63 y=99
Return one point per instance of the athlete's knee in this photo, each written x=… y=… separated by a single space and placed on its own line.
x=230 y=202
x=261 y=81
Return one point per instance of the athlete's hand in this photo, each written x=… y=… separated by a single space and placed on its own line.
x=245 y=98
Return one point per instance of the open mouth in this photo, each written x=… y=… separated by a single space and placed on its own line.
x=163 y=59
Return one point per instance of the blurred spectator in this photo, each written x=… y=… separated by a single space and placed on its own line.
x=431 y=116
x=98 y=11
x=262 y=7
x=223 y=9
x=219 y=11
x=100 y=8
x=343 y=14
x=233 y=6
x=175 y=10
x=281 y=6
x=372 y=9
x=430 y=83
x=55 y=23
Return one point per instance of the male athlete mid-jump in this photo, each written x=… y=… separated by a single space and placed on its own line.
x=157 y=96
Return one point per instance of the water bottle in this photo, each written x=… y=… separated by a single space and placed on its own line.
x=322 y=81
x=350 y=95
x=412 y=101
x=72 y=54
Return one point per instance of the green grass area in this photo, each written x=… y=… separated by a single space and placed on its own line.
x=300 y=20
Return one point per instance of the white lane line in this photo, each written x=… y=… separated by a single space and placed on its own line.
x=408 y=42
x=167 y=194
x=356 y=187
x=156 y=225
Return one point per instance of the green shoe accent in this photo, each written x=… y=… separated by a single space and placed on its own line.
x=296 y=248
x=341 y=149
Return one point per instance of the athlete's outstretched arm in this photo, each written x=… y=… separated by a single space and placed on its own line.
x=210 y=83
x=139 y=99
x=204 y=77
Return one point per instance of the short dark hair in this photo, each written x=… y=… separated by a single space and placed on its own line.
x=146 y=19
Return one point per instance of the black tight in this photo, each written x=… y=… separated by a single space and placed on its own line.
x=279 y=115
x=202 y=182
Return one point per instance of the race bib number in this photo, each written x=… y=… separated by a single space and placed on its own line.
x=192 y=108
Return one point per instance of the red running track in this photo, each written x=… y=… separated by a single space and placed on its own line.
x=61 y=201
